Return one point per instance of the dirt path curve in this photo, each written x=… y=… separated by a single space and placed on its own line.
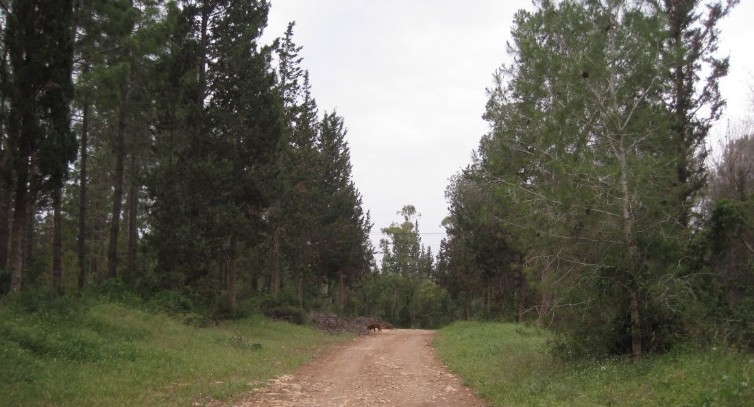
x=390 y=368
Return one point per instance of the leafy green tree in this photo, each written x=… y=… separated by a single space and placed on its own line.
x=401 y=250
x=580 y=146
x=408 y=266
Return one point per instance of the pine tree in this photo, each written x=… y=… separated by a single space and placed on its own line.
x=294 y=216
x=40 y=47
x=342 y=244
x=220 y=147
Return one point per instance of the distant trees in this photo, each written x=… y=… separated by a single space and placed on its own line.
x=477 y=260
x=404 y=289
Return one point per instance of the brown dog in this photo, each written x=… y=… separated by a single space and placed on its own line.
x=375 y=327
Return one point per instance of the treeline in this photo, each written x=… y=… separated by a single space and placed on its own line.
x=588 y=207
x=160 y=145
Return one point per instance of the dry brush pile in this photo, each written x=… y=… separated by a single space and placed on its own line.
x=332 y=323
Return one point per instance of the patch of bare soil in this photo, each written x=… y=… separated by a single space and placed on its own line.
x=396 y=367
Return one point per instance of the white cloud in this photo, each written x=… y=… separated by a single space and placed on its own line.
x=409 y=77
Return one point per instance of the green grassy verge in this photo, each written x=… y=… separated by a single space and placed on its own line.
x=509 y=365
x=108 y=354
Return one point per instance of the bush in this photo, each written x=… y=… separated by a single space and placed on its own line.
x=42 y=302
x=287 y=313
x=173 y=303
x=281 y=309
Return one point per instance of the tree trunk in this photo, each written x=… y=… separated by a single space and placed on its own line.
x=467 y=307
x=301 y=289
x=232 y=274
x=632 y=262
x=28 y=247
x=521 y=294
x=202 y=85
x=6 y=183
x=636 y=345
x=275 y=289
x=81 y=246
x=18 y=228
x=57 y=231
x=395 y=302
x=488 y=300
x=133 y=201
x=5 y=205
x=544 y=307
x=631 y=251
x=112 y=254
x=341 y=290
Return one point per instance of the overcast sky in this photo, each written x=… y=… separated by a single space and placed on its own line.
x=409 y=78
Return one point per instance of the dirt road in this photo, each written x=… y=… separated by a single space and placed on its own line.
x=390 y=368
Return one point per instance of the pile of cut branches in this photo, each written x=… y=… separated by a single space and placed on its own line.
x=332 y=323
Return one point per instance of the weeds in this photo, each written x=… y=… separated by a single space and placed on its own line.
x=511 y=365
x=61 y=352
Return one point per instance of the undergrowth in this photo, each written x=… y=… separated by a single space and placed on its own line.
x=57 y=350
x=510 y=365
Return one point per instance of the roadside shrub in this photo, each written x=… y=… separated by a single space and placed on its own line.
x=173 y=302
x=42 y=302
x=282 y=309
x=287 y=313
x=18 y=364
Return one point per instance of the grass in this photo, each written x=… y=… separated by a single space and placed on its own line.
x=109 y=354
x=509 y=365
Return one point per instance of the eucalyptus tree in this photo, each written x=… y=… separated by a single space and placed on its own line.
x=401 y=250
x=405 y=263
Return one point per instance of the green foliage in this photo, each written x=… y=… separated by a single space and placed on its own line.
x=587 y=178
x=531 y=377
x=723 y=310
x=406 y=302
x=282 y=309
x=66 y=352
x=405 y=289
x=478 y=259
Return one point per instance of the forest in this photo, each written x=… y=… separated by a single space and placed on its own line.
x=159 y=150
